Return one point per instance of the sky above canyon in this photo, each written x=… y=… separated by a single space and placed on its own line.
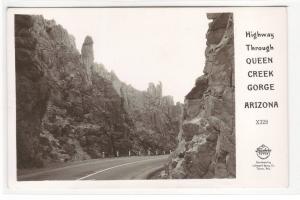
x=142 y=45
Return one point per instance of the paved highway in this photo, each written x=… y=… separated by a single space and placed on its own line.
x=123 y=168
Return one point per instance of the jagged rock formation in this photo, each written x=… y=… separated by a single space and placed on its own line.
x=70 y=108
x=206 y=146
x=64 y=111
x=155 y=91
x=156 y=118
x=87 y=55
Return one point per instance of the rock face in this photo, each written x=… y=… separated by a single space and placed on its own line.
x=206 y=146
x=87 y=55
x=70 y=108
x=156 y=118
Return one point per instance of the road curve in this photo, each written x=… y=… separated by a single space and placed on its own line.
x=123 y=168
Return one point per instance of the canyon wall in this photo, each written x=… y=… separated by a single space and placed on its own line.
x=156 y=118
x=206 y=147
x=70 y=108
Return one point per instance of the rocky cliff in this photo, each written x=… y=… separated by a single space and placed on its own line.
x=156 y=118
x=70 y=108
x=206 y=146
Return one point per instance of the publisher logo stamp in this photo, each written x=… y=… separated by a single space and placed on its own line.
x=263 y=152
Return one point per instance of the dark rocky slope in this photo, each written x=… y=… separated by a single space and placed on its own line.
x=206 y=146
x=70 y=108
x=156 y=118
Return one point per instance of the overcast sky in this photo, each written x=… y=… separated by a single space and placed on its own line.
x=142 y=45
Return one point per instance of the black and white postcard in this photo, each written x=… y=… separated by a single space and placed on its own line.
x=147 y=96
